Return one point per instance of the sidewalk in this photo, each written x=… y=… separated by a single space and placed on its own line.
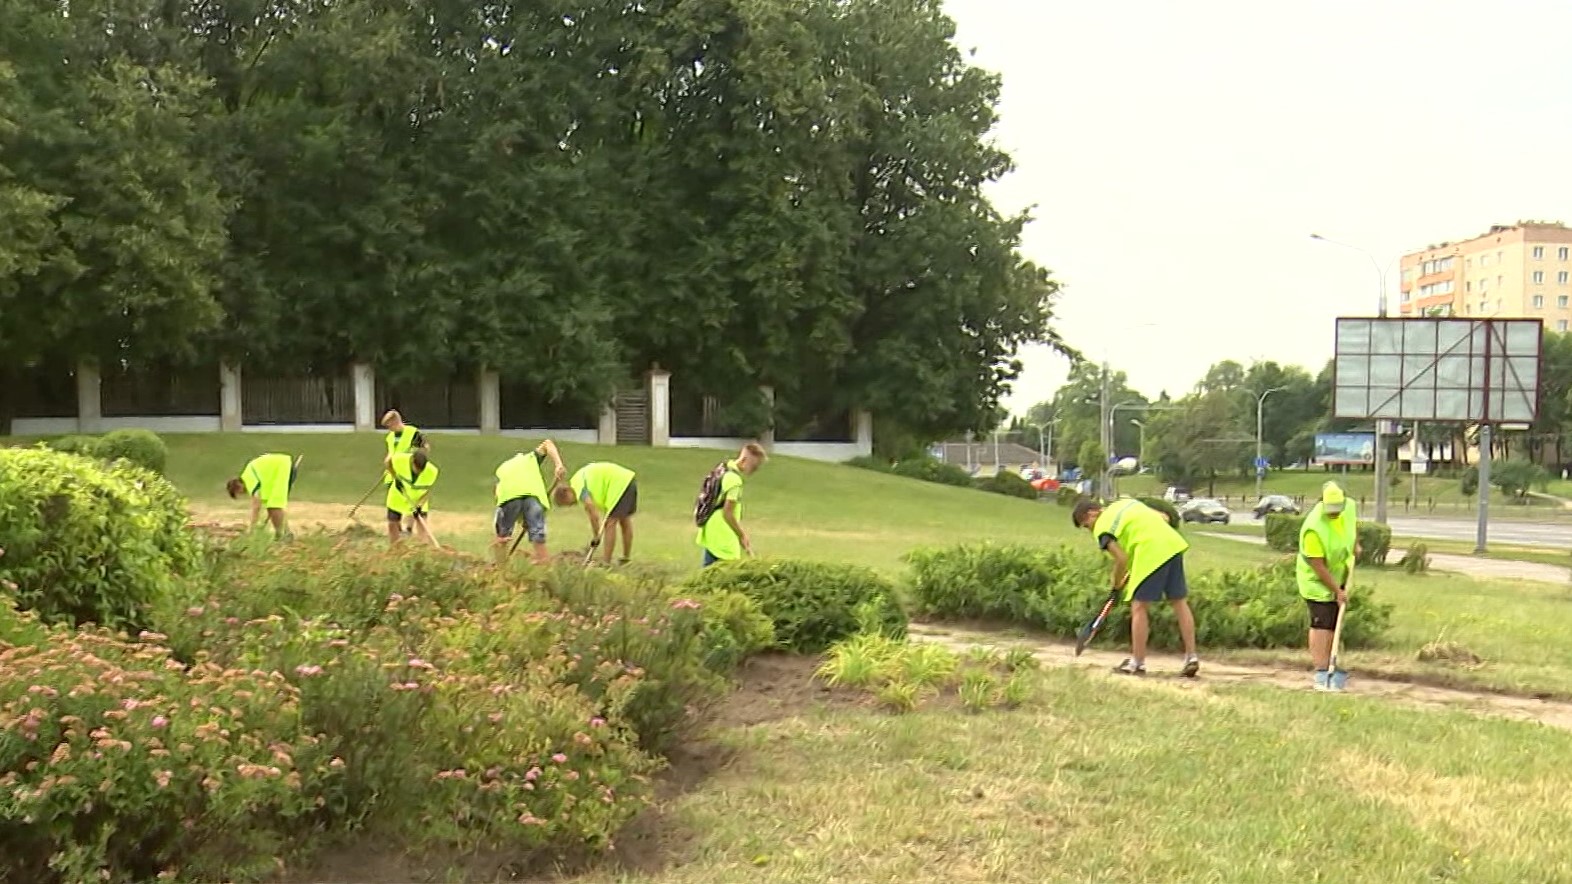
x=1490 y=569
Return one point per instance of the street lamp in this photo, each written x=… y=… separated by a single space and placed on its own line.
x=1260 y=463
x=1140 y=448
x=1380 y=425
x=1113 y=413
x=1044 y=450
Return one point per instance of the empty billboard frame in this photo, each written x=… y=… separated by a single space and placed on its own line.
x=1437 y=369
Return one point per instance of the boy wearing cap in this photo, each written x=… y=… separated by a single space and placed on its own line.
x=1148 y=559
x=401 y=438
x=1328 y=543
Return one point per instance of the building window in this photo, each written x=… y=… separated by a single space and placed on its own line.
x=1562 y=253
x=1562 y=277
x=1539 y=302
x=1539 y=253
x=1484 y=284
x=1484 y=260
x=1561 y=325
x=1539 y=277
x=1468 y=286
x=1562 y=302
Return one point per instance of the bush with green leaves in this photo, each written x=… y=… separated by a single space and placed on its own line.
x=1375 y=539
x=1164 y=507
x=870 y=462
x=87 y=446
x=141 y=447
x=1059 y=589
x=1008 y=483
x=929 y=469
x=811 y=604
x=1067 y=495
x=87 y=541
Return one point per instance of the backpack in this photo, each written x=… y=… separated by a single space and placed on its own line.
x=709 y=494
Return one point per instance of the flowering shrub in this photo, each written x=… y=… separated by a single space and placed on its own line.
x=120 y=765
x=87 y=542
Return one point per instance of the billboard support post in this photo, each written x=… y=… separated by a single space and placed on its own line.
x=1380 y=473
x=1480 y=534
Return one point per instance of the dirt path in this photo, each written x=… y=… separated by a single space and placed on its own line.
x=1554 y=713
x=1490 y=569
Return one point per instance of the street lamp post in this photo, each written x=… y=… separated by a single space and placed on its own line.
x=1260 y=466
x=1140 y=447
x=1108 y=428
x=1380 y=425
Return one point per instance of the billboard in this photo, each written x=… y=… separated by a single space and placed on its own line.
x=1345 y=448
x=1437 y=369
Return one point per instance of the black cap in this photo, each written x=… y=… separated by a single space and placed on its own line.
x=1082 y=507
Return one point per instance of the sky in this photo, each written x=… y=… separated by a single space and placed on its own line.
x=1177 y=154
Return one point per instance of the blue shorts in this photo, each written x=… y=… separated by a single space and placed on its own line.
x=527 y=509
x=1166 y=582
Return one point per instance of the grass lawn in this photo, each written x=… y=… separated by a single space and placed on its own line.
x=1100 y=779
x=808 y=509
x=1097 y=778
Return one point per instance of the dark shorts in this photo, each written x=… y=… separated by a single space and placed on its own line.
x=395 y=515
x=1323 y=615
x=628 y=505
x=1166 y=582
x=527 y=509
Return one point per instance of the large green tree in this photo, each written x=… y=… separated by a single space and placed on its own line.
x=115 y=221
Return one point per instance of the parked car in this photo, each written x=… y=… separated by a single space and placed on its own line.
x=1276 y=503
x=1204 y=510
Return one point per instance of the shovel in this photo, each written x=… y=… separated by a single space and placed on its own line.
x=1337 y=679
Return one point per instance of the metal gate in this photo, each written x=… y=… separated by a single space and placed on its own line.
x=633 y=417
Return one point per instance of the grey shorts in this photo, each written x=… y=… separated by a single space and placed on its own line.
x=526 y=508
x=1166 y=582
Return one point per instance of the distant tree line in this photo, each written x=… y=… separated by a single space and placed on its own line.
x=1210 y=431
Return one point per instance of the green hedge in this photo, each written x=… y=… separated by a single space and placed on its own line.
x=930 y=470
x=1067 y=495
x=1059 y=589
x=812 y=605
x=1009 y=484
x=141 y=447
x=1282 y=534
x=84 y=541
x=1164 y=507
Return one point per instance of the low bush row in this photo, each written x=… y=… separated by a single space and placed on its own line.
x=1059 y=589
x=928 y=469
x=1375 y=539
x=141 y=447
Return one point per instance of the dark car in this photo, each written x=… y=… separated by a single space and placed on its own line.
x=1204 y=510
x=1276 y=503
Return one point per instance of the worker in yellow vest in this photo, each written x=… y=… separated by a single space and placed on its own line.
x=267 y=479
x=401 y=438
x=412 y=474
x=522 y=496
x=610 y=494
x=1328 y=545
x=1148 y=559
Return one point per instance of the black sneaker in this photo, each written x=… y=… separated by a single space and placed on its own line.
x=1128 y=667
x=1192 y=668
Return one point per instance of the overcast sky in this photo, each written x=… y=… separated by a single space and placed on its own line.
x=1180 y=152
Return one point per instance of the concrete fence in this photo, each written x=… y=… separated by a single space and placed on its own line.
x=354 y=404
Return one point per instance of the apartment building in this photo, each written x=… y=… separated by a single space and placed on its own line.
x=1521 y=270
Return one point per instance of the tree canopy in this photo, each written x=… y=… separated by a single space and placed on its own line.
x=747 y=192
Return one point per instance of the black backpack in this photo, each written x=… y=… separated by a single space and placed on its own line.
x=709 y=494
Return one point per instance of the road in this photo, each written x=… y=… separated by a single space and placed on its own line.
x=1513 y=532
